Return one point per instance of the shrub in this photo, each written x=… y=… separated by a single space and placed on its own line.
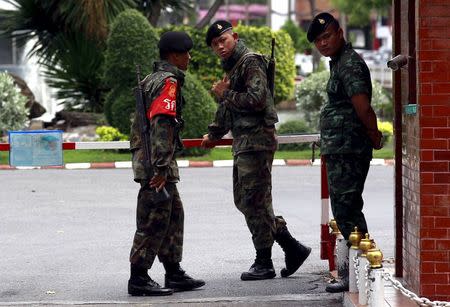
x=294 y=127
x=131 y=41
x=207 y=66
x=109 y=134
x=387 y=130
x=13 y=114
x=298 y=36
x=198 y=111
x=311 y=95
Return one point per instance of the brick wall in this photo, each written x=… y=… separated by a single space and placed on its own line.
x=410 y=161
x=433 y=97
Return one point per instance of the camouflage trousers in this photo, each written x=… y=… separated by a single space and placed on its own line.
x=252 y=187
x=347 y=174
x=159 y=228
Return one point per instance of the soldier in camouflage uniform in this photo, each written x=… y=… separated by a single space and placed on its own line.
x=160 y=222
x=348 y=130
x=246 y=108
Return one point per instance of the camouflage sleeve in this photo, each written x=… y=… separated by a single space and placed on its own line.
x=221 y=124
x=355 y=78
x=162 y=138
x=254 y=97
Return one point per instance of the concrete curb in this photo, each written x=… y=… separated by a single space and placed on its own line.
x=183 y=164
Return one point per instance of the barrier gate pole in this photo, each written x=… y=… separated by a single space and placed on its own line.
x=327 y=240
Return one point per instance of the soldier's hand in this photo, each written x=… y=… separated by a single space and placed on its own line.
x=377 y=139
x=158 y=182
x=207 y=143
x=219 y=87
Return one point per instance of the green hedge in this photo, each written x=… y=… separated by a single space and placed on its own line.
x=294 y=127
x=206 y=65
x=131 y=41
x=198 y=111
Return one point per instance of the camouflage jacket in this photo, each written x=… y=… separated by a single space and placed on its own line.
x=341 y=131
x=247 y=107
x=164 y=129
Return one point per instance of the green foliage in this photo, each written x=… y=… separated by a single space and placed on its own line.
x=298 y=36
x=259 y=40
x=198 y=112
x=382 y=102
x=311 y=95
x=13 y=114
x=68 y=39
x=358 y=11
x=131 y=41
x=294 y=127
x=387 y=130
x=206 y=65
x=109 y=134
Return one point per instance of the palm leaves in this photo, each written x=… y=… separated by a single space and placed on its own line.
x=69 y=39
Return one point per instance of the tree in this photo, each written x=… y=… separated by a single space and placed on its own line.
x=152 y=8
x=358 y=11
x=68 y=39
x=211 y=12
x=297 y=35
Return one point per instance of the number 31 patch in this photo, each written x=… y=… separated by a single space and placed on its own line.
x=165 y=103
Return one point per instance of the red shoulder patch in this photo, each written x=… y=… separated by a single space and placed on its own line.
x=165 y=103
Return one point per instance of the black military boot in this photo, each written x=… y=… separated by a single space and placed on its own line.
x=342 y=284
x=295 y=253
x=177 y=279
x=262 y=268
x=140 y=284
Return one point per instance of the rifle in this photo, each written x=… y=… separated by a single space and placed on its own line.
x=271 y=70
x=144 y=127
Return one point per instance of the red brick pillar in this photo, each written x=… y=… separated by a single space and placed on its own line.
x=426 y=157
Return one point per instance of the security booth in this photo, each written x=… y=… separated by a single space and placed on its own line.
x=421 y=90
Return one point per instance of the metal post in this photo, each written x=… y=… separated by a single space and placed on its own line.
x=376 y=288
x=353 y=287
x=362 y=297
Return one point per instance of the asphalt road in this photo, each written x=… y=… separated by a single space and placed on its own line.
x=65 y=237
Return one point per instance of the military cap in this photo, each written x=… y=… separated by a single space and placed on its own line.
x=217 y=29
x=319 y=24
x=174 y=41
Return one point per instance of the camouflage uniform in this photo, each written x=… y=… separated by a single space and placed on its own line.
x=159 y=224
x=247 y=109
x=344 y=141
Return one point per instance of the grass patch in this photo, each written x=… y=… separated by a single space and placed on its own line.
x=80 y=156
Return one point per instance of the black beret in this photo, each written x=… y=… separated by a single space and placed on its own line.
x=173 y=41
x=217 y=29
x=319 y=24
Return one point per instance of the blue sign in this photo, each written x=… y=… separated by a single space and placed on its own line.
x=35 y=148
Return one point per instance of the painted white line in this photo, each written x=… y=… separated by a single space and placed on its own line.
x=27 y=167
x=78 y=165
x=316 y=162
x=183 y=163
x=377 y=162
x=223 y=163
x=122 y=164
x=279 y=162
